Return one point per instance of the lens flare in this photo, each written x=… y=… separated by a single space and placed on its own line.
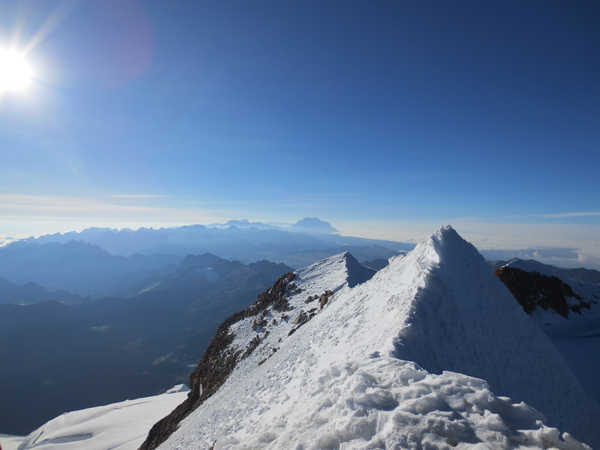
x=16 y=74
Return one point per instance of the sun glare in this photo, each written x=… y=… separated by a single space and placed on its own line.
x=16 y=73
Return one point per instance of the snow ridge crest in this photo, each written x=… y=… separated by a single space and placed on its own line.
x=449 y=246
x=465 y=320
x=437 y=309
x=337 y=271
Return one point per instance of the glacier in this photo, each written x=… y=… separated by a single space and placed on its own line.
x=122 y=425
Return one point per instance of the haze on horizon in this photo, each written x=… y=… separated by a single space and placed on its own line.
x=387 y=119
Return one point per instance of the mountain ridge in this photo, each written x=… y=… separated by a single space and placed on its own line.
x=30 y=292
x=296 y=246
x=103 y=350
x=224 y=354
x=463 y=294
x=370 y=326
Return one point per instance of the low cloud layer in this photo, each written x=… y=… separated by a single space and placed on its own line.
x=570 y=214
x=561 y=244
x=555 y=243
x=33 y=215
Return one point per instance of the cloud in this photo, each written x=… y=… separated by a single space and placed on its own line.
x=556 y=243
x=32 y=215
x=569 y=214
x=25 y=215
x=584 y=258
x=138 y=196
x=6 y=240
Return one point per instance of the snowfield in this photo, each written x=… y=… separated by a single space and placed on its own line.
x=121 y=426
x=390 y=363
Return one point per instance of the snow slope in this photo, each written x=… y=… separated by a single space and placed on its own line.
x=371 y=367
x=122 y=425
x=8 y=442
x=338 y=272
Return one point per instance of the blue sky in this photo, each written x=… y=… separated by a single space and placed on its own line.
x=373 y=115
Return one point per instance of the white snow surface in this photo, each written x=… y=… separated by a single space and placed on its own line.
x=335 y=273
x=9 y=442
x=390 y=362
x=123 y=425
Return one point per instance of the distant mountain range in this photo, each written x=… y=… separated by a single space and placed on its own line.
x=78 y=267
x=28 y=293
x=60 y=356
x=100 y=262
x=296 y=245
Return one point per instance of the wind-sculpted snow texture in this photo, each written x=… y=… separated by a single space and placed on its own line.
x=465 y=320
x=369 y=368
x=121 y=425
x=378 y=403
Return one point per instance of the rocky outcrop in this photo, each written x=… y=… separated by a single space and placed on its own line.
x=324 y=298
x=254 y=335
x=533 y=290
x=219 y=360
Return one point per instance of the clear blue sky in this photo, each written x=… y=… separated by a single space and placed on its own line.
x=357 y=112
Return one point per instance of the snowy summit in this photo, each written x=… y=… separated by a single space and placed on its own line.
x=430 y=352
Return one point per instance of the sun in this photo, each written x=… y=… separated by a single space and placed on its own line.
x=16 y=74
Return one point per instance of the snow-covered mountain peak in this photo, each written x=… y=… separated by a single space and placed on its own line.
x=335 y=272
x=355 y=367
x=444 y=248
x=465 y=320
x=447 y=246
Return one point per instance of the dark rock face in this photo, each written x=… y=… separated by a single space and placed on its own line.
x=303 y=318
x=218 y=362
x=532 y=290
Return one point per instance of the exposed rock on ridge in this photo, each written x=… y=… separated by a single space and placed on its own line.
x=241 y=334
x=533 y=290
